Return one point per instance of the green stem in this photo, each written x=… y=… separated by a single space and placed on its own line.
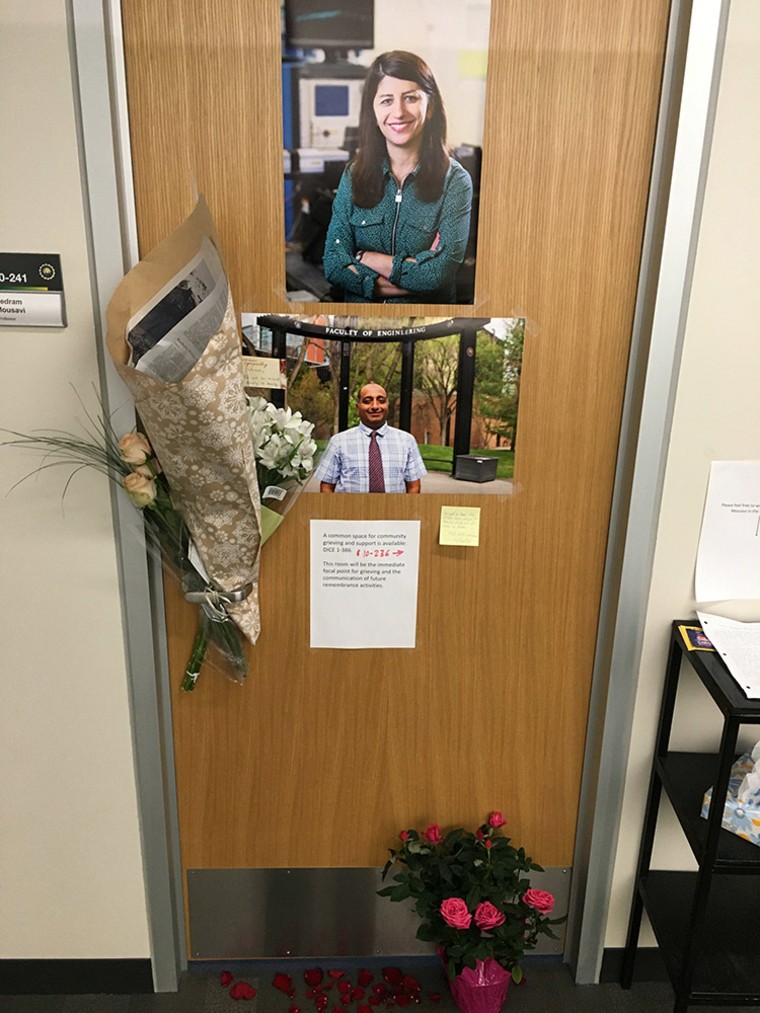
x=228 y=640
x=197 y=655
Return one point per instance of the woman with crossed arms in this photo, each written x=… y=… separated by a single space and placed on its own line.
x=401 y=216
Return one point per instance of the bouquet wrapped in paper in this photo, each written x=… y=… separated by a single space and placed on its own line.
x=173 y=335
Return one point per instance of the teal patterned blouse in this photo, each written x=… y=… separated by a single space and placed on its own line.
x=402 y=225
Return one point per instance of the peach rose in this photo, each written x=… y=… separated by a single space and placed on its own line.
x=134 y=448
x=141 y=490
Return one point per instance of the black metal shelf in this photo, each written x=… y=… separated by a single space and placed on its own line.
x=705 y=921
x=685 y=778
x=728 y=964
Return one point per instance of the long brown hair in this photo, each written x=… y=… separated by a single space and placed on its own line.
x=367 y=178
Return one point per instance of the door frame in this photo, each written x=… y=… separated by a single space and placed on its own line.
x=99 y=86
x=694 y=54
x=693 y=62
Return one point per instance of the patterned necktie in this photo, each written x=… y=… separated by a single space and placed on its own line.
x=376 y=480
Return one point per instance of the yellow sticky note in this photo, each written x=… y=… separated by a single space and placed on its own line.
x=459 y=526
x=472 y=63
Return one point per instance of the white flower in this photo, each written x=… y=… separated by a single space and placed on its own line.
x=282 y=441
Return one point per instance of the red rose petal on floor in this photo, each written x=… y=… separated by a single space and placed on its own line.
x=225 y=979
x=364 y=1008
x=310 y=993
x=345 y=998
x=321 y=1002
x=283 y=982
x=326 y=986
x=375 y=1000
x=379 y=988
x=335 y=974
x=357 y=994
x=242 y=990
x=411 y=983
x=294 y=1009
x=393 y=975
x=365 y=977
x=313 y=976
x=434 y=996
x=344 y=986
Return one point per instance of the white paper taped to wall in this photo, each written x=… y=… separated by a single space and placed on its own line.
x=728 y=558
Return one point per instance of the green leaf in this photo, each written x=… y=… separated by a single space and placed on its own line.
x=517 y=974
x=473 y=897
x=400 y=892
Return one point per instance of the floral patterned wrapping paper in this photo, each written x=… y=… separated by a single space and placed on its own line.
x=199 y=427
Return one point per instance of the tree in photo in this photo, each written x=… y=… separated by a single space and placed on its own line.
x=498 y=369
x=311 y=397
x=435 y=377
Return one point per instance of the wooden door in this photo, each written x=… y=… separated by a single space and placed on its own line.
x=324 y=755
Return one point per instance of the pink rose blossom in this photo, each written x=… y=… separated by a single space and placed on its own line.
x=479 y=835
x=488 y=843
x=496 y=820
x=539 y=900
x=454 y=912
x=487 y=916
x=403 y=836
x=433 y=834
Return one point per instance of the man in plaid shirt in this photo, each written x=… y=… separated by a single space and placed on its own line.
x=345 y=464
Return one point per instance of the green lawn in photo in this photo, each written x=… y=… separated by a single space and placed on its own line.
x=439 y=458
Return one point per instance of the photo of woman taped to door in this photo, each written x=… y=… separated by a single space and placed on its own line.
x=383 y=129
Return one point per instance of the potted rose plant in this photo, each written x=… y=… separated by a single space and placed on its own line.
x=472 y=892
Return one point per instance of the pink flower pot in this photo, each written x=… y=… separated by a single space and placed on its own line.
x=481 y=989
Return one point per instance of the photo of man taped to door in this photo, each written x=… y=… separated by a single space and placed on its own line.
x=441 y=396
x=383 y=104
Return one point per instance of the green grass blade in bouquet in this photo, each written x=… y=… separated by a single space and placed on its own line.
x=129 y=461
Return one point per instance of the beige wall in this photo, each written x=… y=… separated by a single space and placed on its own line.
x=717 y=417
x=72 y=883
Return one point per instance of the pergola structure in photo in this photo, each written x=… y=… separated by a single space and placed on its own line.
x=466 y=327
